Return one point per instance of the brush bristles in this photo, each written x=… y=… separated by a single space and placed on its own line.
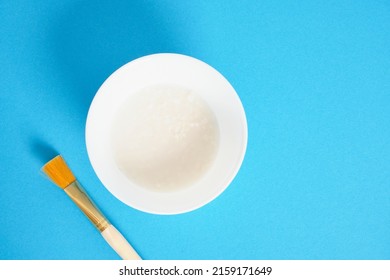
x=58 y=171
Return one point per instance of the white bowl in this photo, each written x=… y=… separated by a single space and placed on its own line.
x=182 y=71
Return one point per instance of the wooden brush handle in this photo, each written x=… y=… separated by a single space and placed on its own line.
x=119 y=244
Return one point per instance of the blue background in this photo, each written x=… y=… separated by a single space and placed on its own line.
x=314 y=79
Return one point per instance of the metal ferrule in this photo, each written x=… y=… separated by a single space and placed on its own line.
x=81 y=199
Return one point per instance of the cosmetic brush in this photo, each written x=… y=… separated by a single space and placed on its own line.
x=61 y=175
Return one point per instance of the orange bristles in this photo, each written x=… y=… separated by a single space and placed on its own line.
x=58 y=171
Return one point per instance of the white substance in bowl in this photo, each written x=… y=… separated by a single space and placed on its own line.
x=164 y=137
